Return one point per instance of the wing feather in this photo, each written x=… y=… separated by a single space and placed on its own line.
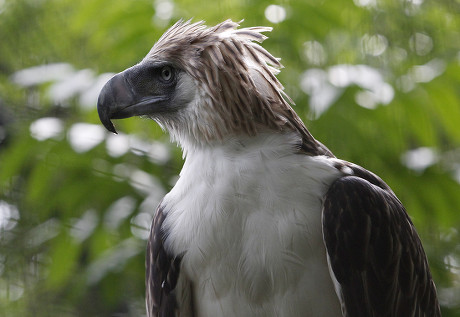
x=164 y=284
x=375 y=255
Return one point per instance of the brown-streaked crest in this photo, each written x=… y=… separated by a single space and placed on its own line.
x=235 y=75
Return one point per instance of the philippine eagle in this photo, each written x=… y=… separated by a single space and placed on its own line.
x=264 y=219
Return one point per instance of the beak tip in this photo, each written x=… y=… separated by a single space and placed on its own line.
x=105 y=120
x=104 y=112
x=109 y=126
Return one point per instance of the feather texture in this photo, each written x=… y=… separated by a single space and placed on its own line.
x=246 y=217
x=236 y=77
x=375 y=254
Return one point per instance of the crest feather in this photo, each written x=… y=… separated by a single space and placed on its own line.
x=236 y=76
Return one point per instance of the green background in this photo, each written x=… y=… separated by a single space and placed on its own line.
x=377 y=81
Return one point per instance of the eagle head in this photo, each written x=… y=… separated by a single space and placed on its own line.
x=202 y=85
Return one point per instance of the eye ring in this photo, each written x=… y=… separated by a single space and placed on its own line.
x=166 y=73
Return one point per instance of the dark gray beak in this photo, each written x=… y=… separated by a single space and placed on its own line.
x=114 y=97
x=120 y=99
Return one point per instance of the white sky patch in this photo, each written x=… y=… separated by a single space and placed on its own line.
x=275 y=13
x=326 y=86
x=420 y=158
x=114 y=259
x=450 y=296
x=164 y=11
x=69 y=87
x=88 y=97
x=43 y=232
x=140 y=225
x=452 y=262
x=314 y=82
x=366 y=99
x=421 y=43
x=66 y=82
x=429 y=71
x=344 y=75
x=13 y=291
x=370 y=99
x=42 y=74
x=415 y=2
x=144 y=182
x=374 y=45
x=412 y=6
x=83 y=227
x=117 y=144
x=384 y=94
x=420 y=74
x=314 y=53
x=365 y=3
x=456 y=173
x=101 y=166
x=449 y=235
x=9 y=215
x=376 y=90
x=119 y=211
x=122 y=171
x=139 y=146
x=398 y=54
x=84 y=136
x=46 y=128
x=405 y=83
x=2 y=6
x=158 y=152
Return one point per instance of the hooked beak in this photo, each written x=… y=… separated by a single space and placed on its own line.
x=118 y=99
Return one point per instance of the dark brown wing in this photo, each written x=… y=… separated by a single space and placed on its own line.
x=162 y=272
x=375 y=254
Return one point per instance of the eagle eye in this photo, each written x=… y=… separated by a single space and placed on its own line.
x=166 y=73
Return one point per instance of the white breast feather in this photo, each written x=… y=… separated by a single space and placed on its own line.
x=247 y=217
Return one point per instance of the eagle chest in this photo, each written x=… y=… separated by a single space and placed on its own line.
x=249 y=229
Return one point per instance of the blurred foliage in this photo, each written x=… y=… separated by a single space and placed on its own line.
x=377 y=81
